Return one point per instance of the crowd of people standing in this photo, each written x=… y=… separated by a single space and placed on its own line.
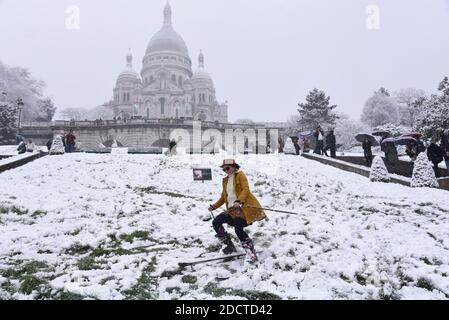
x=325 y=143
x=436 y=153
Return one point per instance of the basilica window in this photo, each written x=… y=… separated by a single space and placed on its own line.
x=148 y=113
x=162 y=101
x=173 y=78
x=180 y=81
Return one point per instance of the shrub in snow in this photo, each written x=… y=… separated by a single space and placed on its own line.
x=423 y=174
x=289 y=148
x=57 y=146
x=379 y=172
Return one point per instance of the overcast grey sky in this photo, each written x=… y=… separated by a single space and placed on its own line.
x=264 y=55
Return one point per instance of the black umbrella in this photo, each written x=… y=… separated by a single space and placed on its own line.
x=363 y=136
x=389 y=140
x=306 y=134
x=414 y=135
x=403 y=140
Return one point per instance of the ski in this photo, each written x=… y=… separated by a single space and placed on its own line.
x=224 y=259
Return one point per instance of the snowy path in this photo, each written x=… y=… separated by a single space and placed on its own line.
x=99 y=226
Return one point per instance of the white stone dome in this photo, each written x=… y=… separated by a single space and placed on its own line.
x=128 y=74
x=167 y=39
x=201 y=77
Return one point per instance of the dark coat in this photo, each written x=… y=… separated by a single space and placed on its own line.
x=391 y=153
x=367 y=149
x=445 y=145
x=435 y=153
x=331 y=141
x=420 y=147
x=70 y=139
x=22 y=148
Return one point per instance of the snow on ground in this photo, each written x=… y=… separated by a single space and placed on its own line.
x=115 y=227
x=8 y=150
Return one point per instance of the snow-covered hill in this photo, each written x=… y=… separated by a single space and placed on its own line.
x=115 y=227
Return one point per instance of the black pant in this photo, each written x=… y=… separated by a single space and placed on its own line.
x=319 y=147
x=238 y=224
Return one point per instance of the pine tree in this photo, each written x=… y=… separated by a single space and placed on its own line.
x=423 y=174
x=289 y=148
x=317 y=110
x=57 y=146
x=379 y=172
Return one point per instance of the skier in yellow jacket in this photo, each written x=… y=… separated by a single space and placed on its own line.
x=243 y=209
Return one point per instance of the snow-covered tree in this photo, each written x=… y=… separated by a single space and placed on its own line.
x=407 y=105
x=289 y=147
x=345 y=131
x=317 y=111
x=8 y=120
x=294 y=125
x=380 y=109
x=244 y=121
x=76 y=114
x=394 y=129
x=379 y=172
x=433 y=117
x=57 y=146
x=47 y=109
x=19 y=83
x=79 y=114
x=423 y=174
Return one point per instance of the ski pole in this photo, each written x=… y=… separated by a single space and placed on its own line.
x=273 y=210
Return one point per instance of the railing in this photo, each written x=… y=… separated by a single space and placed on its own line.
x=35 y=124
x=101 y=123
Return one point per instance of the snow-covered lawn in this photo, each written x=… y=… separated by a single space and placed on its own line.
x=115 y=227
x=8 y=150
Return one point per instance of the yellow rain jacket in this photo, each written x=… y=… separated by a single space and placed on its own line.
x=244 y=196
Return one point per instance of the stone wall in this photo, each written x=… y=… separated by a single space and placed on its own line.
x=144 y=133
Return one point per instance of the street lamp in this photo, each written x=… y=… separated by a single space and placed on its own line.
x=20 y=105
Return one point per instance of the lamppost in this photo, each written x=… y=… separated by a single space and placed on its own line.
x=20 y=105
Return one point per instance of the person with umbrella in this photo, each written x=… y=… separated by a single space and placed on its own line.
x=418 y=144
x=411 y=149
x=391 y=153
x=368 y=141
